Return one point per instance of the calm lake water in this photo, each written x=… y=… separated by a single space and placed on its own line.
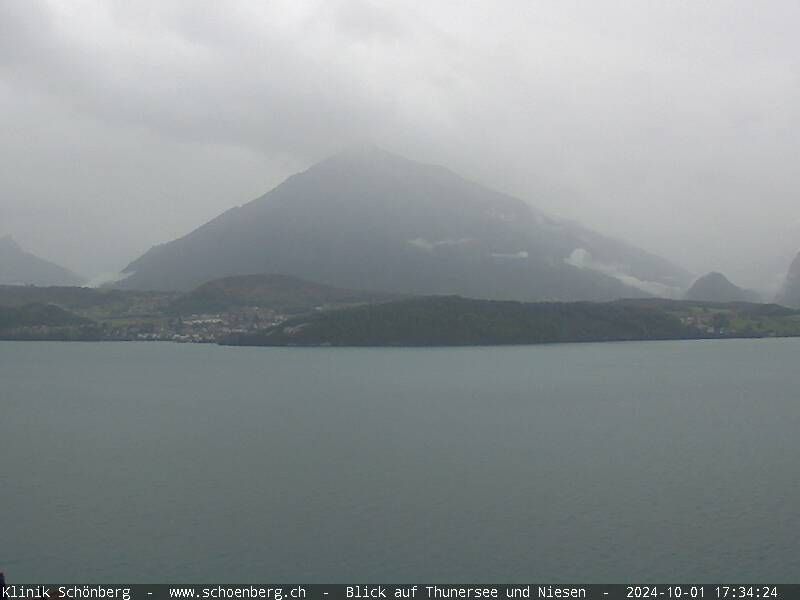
x=632 y=462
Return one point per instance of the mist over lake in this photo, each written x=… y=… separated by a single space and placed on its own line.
x=656 y=461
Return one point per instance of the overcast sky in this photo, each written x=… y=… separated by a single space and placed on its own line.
x=673 y=125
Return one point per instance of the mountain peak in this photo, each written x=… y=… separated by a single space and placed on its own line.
x=365 y=150
x=369 y=218
x=715 y=287
x=715 y=277
x=370 y=156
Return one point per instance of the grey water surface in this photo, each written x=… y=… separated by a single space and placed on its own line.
x=626 y=462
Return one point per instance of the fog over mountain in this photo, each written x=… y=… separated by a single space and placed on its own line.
x=18 y=267
x=670 y=125
x=369 y=218
x=790 y=292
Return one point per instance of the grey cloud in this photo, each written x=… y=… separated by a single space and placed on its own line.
x=670 y=124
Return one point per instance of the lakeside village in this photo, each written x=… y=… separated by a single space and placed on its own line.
x=210 y=327
x=204 y=328
x=710 y=323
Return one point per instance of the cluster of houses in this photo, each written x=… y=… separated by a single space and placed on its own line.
x=203 y=328
x=714 y=323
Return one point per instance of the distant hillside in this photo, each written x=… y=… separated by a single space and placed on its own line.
x=456 y=321
x=281 y=293
x=749 y=309
x=90 y=303
x=336 y=317
x=18 y=267
x=790 y=293
x=45 y=322
x=67 y=296
x=715 y=287
x=37 y=315
x=368 y=219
